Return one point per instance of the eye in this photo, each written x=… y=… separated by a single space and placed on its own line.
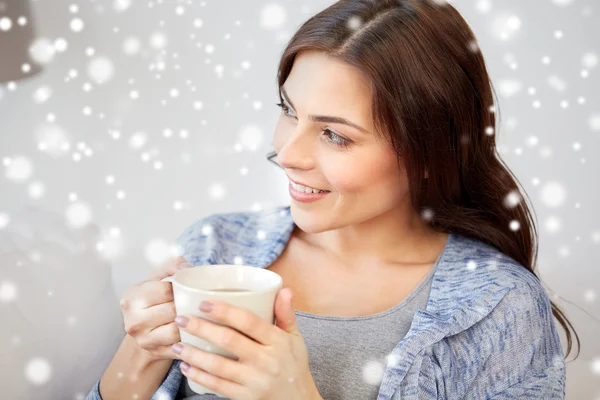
x=285 y=109
x=336 y=139
x=331 y=137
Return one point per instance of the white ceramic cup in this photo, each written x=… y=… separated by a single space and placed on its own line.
x=193 y=285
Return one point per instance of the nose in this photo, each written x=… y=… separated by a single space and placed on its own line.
x=297 y=151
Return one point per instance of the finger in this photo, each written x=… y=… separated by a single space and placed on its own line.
x=148 y=294
x=141 y=321
x=231 y=389
x=171 y=267
x=229 y=339
x=245 y=322
x=216 y=364
x=165 y=335
x=165 y=352
x=161 y=314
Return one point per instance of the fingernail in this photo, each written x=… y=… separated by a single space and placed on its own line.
x=177 y=348
x=206 y=306
x=185 y=366
x=185 y=265
x=181 y=321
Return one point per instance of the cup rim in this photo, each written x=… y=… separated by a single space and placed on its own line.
x=278 y=284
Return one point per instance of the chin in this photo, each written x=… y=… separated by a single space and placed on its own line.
x=309 y=221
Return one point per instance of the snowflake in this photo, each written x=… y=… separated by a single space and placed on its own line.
x=8 y=292
x=471 y=265
x=553 y=194
x=131 y=46
x=552 y=224
x=354 y=22
x=76 y=25
x=216 y=191
x=4 y=220
x=36 y=190
x=207 y=229
x=373 y=372
x=121 y=5
x=61 y=45
x=512 y=199
x=42 y=94
x=589 y=60
x=509 y=87
x=392 y=360
x=272 y=16
x=101 y=70
x=158 y=40
x=157 y=251
x=38 y=371
x=42 y=50
x=78 y=214
x=557 y=84
x=595 y=366
x=251 y=137
x=5 y=24
x=19 y=168
x=589 y=295
x=594 y=122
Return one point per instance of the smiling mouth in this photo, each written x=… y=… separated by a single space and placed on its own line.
x=303 y=189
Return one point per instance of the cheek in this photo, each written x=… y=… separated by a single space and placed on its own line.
x=358 y=176
x=377 y=176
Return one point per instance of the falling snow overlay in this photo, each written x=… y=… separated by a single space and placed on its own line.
x=390 y=356
x=124 y=121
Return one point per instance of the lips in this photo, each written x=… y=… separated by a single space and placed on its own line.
x=304 y=197
x=308 y=186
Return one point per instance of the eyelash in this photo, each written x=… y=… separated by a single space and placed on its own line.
x=343 y=143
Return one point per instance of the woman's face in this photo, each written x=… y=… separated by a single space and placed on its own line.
x=361 y=173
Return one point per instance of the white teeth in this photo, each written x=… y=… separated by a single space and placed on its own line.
x=305 y=189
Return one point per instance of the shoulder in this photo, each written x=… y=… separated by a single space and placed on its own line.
x=475 y=282
x=239 y=224
x=220 y=237
x=476 y=276
x=506 y=323
x=516 y=342
x=473 y=262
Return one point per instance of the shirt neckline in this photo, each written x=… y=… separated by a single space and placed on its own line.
x=280 y=245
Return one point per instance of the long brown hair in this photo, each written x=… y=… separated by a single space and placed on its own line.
x=433 y=101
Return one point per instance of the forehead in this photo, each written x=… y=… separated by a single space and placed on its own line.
x=320 y=84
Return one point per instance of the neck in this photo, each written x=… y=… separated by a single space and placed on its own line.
x=398 y=237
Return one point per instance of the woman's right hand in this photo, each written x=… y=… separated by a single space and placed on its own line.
x=149 y=312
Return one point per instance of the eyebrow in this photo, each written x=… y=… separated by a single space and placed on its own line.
x=325 y=118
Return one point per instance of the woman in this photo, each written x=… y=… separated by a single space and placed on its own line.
x=411 y=262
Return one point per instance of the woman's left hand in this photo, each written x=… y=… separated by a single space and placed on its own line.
x=273 y=359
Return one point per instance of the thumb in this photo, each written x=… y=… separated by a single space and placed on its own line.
x=284 y=313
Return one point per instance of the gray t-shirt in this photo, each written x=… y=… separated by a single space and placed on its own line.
x=347 y=355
